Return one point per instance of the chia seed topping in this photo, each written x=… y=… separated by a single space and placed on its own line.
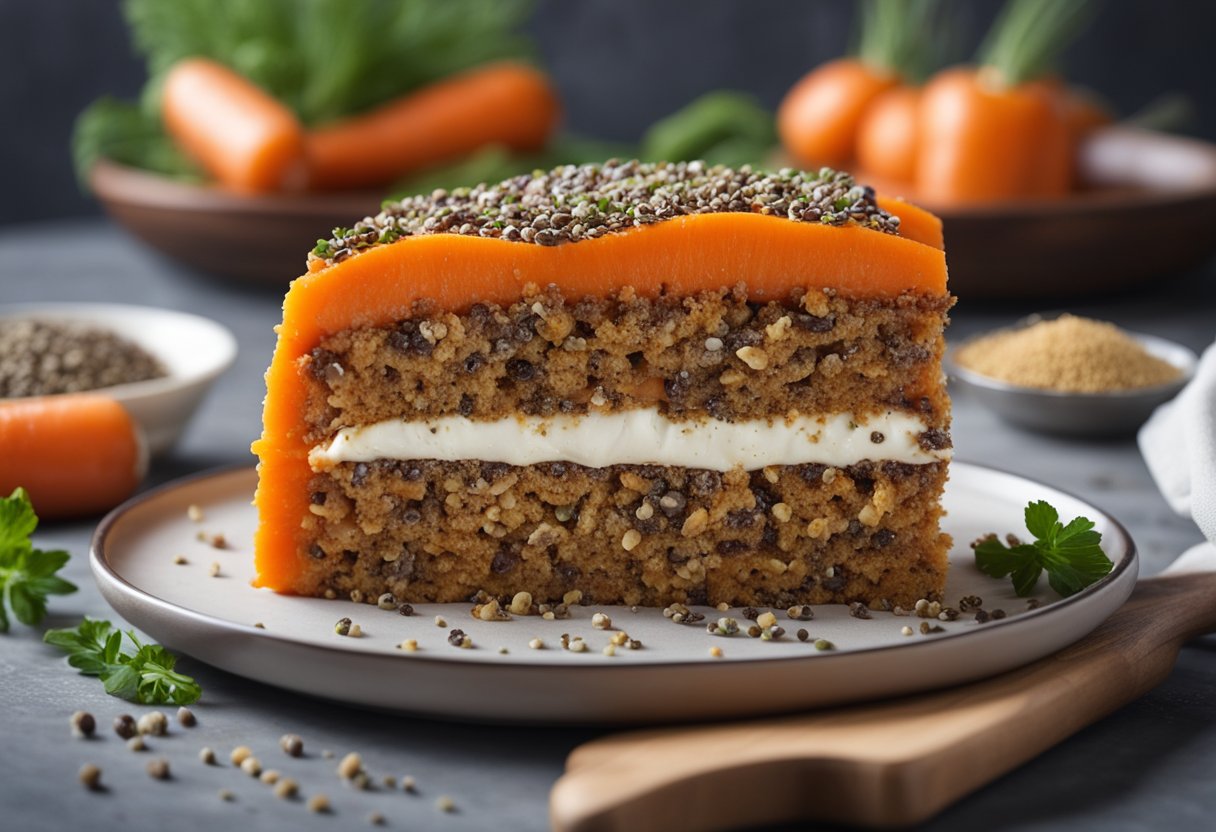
x=583 y=202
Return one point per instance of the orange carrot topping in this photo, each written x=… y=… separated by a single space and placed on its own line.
x=245 y=138
x=507 y=104
x=76 y=454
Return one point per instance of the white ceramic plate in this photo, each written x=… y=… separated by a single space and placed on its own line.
x=194 y=351
x=672 y=677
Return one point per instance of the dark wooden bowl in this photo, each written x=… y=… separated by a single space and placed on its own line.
x=1148 y=211
x=263 y=239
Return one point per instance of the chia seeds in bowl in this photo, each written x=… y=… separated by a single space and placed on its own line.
x=42 y=357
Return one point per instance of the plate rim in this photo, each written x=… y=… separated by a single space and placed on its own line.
x=103 y=570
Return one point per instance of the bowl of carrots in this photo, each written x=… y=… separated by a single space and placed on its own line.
x=255 y=139
x=1041 y=193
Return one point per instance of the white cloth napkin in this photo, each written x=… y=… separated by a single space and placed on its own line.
x=1179 y=444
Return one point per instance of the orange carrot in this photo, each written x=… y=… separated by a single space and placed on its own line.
x=506 y=104
x=1001 y=131
x=243 y=137
x=818 y=118
x=681 y=256
x=983 y=142
x=887 y=135
x=76 y=454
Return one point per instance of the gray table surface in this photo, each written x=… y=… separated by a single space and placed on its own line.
x=1152 y=765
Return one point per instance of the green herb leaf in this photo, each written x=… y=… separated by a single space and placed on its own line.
x=1070 y=554
x=146 y=676
x=27 y=575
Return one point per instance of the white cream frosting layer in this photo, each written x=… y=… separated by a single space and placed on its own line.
x=636 y=437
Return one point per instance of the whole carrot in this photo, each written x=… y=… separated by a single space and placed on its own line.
x=819 y=118
x=76 y=454
x=241 y=135
x=1000 y=131
x=887 y=141
x=983 y=143
x=507 y=104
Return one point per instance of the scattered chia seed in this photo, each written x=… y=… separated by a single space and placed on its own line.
x=90 y=777
x=342 y=627
x=859 y=610
x=83 y=724
x=154 y=723
x=292 y=745
x=350 y=765
x=970 y=603
x=186 y=717
x=43 y=358
x=583 y=202
x=803 y=635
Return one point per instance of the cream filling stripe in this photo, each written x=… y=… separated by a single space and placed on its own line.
x=636 y=437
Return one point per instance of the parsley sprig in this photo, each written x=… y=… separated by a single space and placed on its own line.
x=27 y=575
x=146 y=676
x=1070 y=554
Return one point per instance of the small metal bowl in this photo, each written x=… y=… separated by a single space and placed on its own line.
x=1092 y=415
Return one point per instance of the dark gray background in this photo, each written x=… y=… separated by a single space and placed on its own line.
x=620 y=64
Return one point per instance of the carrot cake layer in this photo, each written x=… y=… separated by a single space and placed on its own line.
x=650 y=383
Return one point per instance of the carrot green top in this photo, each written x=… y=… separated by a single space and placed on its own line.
x=583 y=202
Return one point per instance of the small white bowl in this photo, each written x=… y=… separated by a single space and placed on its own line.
x=194 y=351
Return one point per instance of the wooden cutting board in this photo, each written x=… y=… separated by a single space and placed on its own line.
x=886 y=764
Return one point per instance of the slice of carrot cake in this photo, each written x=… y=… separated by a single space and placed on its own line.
x=652 y=383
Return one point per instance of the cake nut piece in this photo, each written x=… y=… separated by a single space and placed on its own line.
x=186 y=717
x=286 y=788
x=251 y=766
x=240 y=754
x=521 y=604
x=318 y=804
x=600 y=621
x=753 y=357
x=206 y=756
x=158 y=769
x=696 y=523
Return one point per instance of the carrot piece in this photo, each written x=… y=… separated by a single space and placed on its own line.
x=819 y=116
x=243 y=137
x=76 y=454
x=887 y=134
x=507 y=104
x=915 y=223
x=681 y=256
x=981 y=142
